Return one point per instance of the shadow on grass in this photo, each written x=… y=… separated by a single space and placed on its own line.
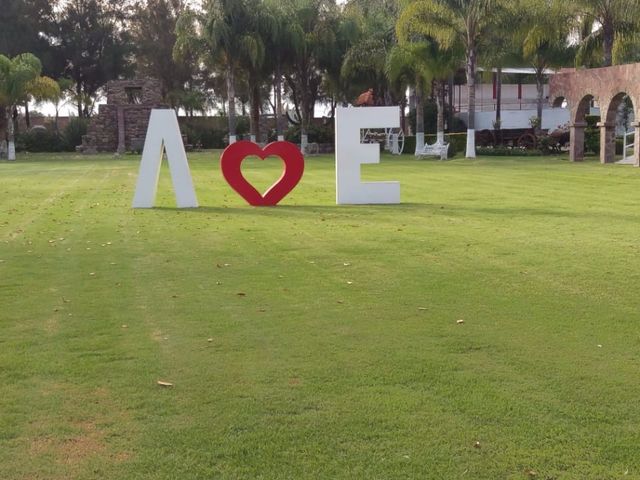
x=328 y=208
x=410 y=208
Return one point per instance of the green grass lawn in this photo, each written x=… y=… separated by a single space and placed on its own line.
x=312 y=341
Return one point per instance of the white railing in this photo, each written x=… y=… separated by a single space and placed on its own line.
x=626 y=146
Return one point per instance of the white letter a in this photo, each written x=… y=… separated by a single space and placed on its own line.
x=163 y=134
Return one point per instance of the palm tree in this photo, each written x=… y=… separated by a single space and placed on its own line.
x=432 y=65
x=20 y=79
x=315 y=21
x=544 y=33
x=451 y=22
x=606 y=25
x=224 y=33
x=283 y=41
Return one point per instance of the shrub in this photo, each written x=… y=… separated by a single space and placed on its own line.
x=506 y=152
x=74 y=132
x=409 y=145
x=39 y=140
x=315 y=134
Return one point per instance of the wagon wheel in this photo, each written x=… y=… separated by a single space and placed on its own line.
x=486 y=138
x=389 y=132
x=527 y=141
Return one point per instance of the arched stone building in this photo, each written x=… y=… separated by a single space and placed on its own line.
x=607 y=86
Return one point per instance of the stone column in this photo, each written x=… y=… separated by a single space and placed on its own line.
x=636 y=143
x=121 y=132
x=607 y=142
x=576 y=149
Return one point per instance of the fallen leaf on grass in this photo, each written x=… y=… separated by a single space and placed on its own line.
x=164 y=384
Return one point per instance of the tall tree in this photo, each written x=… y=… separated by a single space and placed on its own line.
x=25 y=26
x=365 y=61
x=153 y=29
x=94 y=41
x=605 y=25
x=451 y=22
x=283 y=44
x=316 y=22
x=20 y=78
x=224 y=34
x=544 y=36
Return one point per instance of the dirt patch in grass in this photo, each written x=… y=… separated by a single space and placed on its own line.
x=73 y=450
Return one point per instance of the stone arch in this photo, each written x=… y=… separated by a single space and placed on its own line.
x=560 y=102
x=580 y=109
x=608 y=86
x=609 y=113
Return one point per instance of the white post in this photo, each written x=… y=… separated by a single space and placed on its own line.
x=395 y=146
x=471 y=143
x=419 y=143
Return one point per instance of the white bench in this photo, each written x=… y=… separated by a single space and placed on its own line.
x=437 y=149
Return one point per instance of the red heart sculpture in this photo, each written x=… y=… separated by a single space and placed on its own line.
x=234 y=154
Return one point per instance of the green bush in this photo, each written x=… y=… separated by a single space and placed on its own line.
x=74 y=132
x=592 y=134
x=316 y=134
x=39 y=140
x=507 y=152
x=204 y=135
x=409 y=145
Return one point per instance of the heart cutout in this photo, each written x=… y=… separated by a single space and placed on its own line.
x=231 y=162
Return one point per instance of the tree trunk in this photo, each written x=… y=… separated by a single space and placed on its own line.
x=607 y=43
x=419 y=119
x=27 y=116
x=498 y=98
x=540 y=98
x=11 y=152
x=305 y=121
x=440 y=112
x=451 y=108
x=231 y=99
x=79 y=99
x=498 y=123
x=471 y=83
x=255 y=112
x=278 y=98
